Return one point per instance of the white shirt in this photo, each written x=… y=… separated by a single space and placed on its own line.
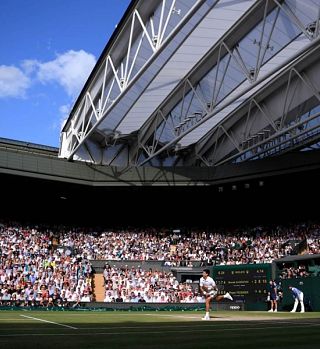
x=208 y=283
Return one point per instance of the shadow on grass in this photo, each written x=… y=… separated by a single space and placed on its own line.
x=198 y=334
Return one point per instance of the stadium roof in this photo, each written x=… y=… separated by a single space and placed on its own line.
x=192 y=83
x=100 y=60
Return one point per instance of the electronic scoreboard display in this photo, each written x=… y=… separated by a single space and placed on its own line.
x=246 y=282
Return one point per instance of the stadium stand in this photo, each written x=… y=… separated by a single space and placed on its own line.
x=53 y=266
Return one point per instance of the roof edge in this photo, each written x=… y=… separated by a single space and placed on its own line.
x=101 y=58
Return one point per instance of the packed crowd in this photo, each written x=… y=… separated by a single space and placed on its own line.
x=294 y=272
x=46 y=266
x=313 y=240
x=137 y=285
x=33 y=273
x=256 y=245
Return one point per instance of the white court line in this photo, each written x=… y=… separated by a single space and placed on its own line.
x=214 y=318
x=175 y=316
x=211 y=324
x=149 y=332
x=231 y=319
x=49 y=322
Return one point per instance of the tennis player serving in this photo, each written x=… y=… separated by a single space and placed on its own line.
x=209 y=290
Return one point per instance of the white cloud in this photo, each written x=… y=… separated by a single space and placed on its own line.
x=29 y=66
x=13 y=82
x=70 y=69
x=64 y=111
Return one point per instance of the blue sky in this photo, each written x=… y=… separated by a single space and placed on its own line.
x=47 y=50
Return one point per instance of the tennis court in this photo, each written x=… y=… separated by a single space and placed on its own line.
x=158 y=329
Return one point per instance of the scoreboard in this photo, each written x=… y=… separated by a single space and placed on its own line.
x=247 y=282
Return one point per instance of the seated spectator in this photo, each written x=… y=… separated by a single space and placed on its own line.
x=41 y=267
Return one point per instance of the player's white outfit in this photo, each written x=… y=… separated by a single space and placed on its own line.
x=210 y=285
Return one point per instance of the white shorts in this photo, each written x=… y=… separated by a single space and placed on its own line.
x=212 y=293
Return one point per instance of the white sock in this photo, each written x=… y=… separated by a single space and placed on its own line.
x=207 y=314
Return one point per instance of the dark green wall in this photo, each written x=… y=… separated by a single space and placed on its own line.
x=310 y=286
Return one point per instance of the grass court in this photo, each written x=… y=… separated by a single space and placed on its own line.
x=157 y=329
